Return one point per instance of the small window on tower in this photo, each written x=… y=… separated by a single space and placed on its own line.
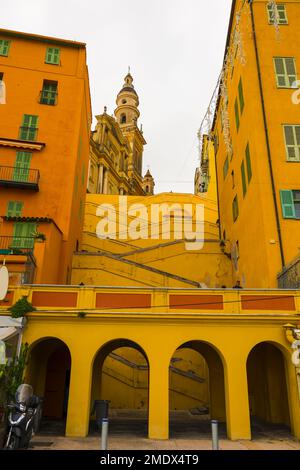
x=124 y=101
x=123 y=119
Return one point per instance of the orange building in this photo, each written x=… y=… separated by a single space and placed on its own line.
x=45 y=119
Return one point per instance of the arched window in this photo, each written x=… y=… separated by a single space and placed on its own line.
x=147 y=189
x=123 y=118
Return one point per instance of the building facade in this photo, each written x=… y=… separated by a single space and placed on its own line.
x=45 y=120
x=257 y=140
x=116 y=150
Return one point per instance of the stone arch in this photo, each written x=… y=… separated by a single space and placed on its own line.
x=202 y=368
x=268 y=386
x=48 y=371
x=121 y=376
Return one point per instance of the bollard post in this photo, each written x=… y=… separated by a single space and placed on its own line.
x=104 y=434
x=215 y=434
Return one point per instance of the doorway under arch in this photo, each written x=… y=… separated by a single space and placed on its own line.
x=196 y=390
x=121 y=376
x=267 y=388
x=48 y=372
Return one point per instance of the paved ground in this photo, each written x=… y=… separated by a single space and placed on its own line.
x=128 y=431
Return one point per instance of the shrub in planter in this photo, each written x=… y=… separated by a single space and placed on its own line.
x=21 y=308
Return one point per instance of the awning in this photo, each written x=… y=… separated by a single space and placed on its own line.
x=10 y=327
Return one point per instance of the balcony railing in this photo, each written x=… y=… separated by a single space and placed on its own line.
x=16 y=245
x=290 y=276
x=15 y=177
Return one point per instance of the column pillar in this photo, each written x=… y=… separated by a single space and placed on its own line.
x=105 y=184
x=158 y=421
x=236 y=396
x=100 y=180
x=79 y=395
x=293 y=397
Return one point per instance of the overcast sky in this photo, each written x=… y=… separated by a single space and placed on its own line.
x=175 y=50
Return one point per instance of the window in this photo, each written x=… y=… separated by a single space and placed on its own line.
x=292 y=142
x=290 y=203
x=241 y=96
x=235 y=209
x=237 y=114
x=279 y=12
x=285 y=68
x=233 y=179
x=21 y=168
x=216 y=142
x=52 y=56
x=23 y=235
x=4 y=47
x=49 y=93
x=244 y=178
x=28 y=130
x=226 y=168
x=14 y=209
x=248 y=163
x=1 y=76
x=123 y=118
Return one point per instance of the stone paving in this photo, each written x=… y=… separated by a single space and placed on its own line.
x=128 y=431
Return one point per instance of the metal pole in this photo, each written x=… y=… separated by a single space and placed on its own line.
x=104 y=434
x=215 y=435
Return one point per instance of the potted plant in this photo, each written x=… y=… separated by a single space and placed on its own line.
x=39 y=236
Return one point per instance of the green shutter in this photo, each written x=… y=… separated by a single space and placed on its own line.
x=241 y=96
x=14 y=209
x=4 y=47
x=287 y=204
x=22 y=165
x=52 y=56
x=49 y=93
x=226 y=167
x=286 y=73
x=292 y=142
x=244 y=178
x=29 y=129
x=23 y=237
x=248 y=163
x=235 y=209
x=237 y=115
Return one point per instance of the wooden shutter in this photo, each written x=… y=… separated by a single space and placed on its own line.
x=280 y=72
x=244 y=178
x=14 y=209
x=22 y=164
x=237 y=116
x=290 y=70
x=248 y=163
x=241 y=96
x=287 y=204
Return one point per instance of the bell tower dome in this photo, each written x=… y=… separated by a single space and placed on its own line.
x=127 y=112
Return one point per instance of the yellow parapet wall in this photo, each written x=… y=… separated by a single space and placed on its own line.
x=241 y=335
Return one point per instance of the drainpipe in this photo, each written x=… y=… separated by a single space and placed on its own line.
x=267 y=136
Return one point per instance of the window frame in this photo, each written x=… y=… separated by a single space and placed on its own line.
x=237 y=114
x=2 y=46
x=53 y=54
x=272 y=21
x=285 y=205
x=14 y=208
x=235 y=208
x=241 y=96
x=286 y=75
x=30 y=129
x=296 y=146
x=54 y=93
x=244 y=182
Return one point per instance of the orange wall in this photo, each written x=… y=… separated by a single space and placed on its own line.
x=60 y=128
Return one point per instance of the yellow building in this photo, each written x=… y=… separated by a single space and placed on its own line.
x=116 y=149
x=246 y=339
x=257 y=143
